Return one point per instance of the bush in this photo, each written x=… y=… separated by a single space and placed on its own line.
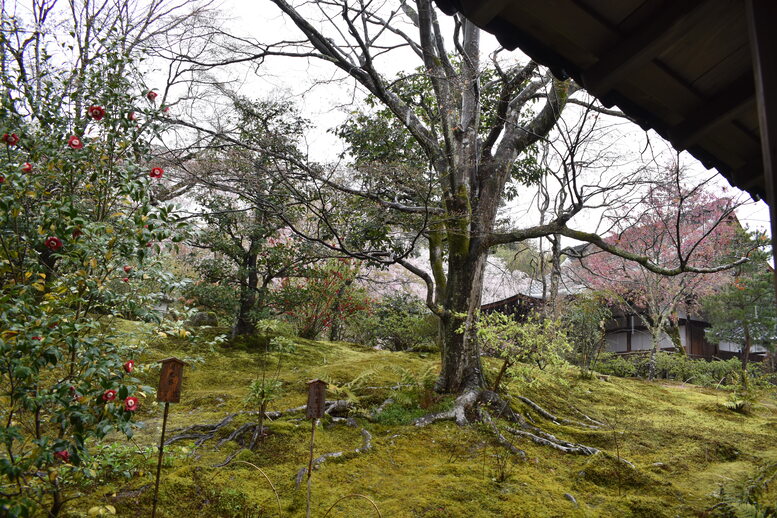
x=398 y=323
x=616 y=365
x=79 y=234
x=537 y=341
x=678 y=367
x=585 y=319
x=325 y=297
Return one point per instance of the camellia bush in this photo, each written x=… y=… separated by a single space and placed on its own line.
x=77 y=232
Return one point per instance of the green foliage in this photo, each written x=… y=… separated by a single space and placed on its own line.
x=397 y=322
x=744 y=311
x=585 y=318
x=682 y=368
x=537 y=341
x=78 y=233
x=262 y=391
x=616 y=365
x=521 y=256
x=750 y=497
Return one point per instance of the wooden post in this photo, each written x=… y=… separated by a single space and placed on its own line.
x=169 y=391
x=159 y=459
x=314 y=411
x=761 y=20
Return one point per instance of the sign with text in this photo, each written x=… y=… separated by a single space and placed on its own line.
x=170 y=379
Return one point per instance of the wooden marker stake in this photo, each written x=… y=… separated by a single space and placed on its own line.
x=315 y=411
x=169 y=391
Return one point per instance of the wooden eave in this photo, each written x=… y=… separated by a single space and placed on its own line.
x=680 y=67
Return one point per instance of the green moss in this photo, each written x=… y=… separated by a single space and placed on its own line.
x=682 y=446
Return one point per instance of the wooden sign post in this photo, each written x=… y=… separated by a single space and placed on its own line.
x=314 y=411
x=169 y=391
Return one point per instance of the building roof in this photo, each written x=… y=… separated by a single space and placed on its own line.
x=680 y=67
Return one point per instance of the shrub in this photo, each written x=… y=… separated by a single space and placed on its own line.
x=585 y=319
x=681 y=368
x=616 y=365
x=324 y=297
x=398 y=323
x=78 y=231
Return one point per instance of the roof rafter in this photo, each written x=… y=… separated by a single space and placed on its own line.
x=640 y=47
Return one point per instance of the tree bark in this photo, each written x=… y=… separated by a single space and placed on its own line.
x=461 y=366
x=244 y=323
x=655 y=333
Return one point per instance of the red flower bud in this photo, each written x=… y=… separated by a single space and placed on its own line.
x=151 y=95
x=129 y=365
x=75 y=142
x=126 y=279
x=26 y=167
x=127 y=269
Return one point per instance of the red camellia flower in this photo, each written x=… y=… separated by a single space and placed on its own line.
x=129 y=365
x=26 y=167
x=96 y=112
x=53 y=243
x=10 y=140
x=62 y=455
x=156 y=172
x=125 y=279
x=37 y=338
x=127 y=269
x=131 y=404
x=132 y=116
x=151 y=95
x=109 y=395
x=75 y=142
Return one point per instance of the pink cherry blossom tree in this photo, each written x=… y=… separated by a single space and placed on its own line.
x=677 y=226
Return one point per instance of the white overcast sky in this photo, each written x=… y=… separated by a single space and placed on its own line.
x=327 y=105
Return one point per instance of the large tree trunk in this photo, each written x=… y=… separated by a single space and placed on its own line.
x=244 y=323
x=461 y=367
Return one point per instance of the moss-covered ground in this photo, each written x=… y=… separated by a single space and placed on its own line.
x=685 y=446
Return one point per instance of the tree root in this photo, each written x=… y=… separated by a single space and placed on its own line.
x=205 y=432
x=458 y=413
x=365 y=447
x=501 y=439
x=473 y=403
x=557 y=420
x=546 y=439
